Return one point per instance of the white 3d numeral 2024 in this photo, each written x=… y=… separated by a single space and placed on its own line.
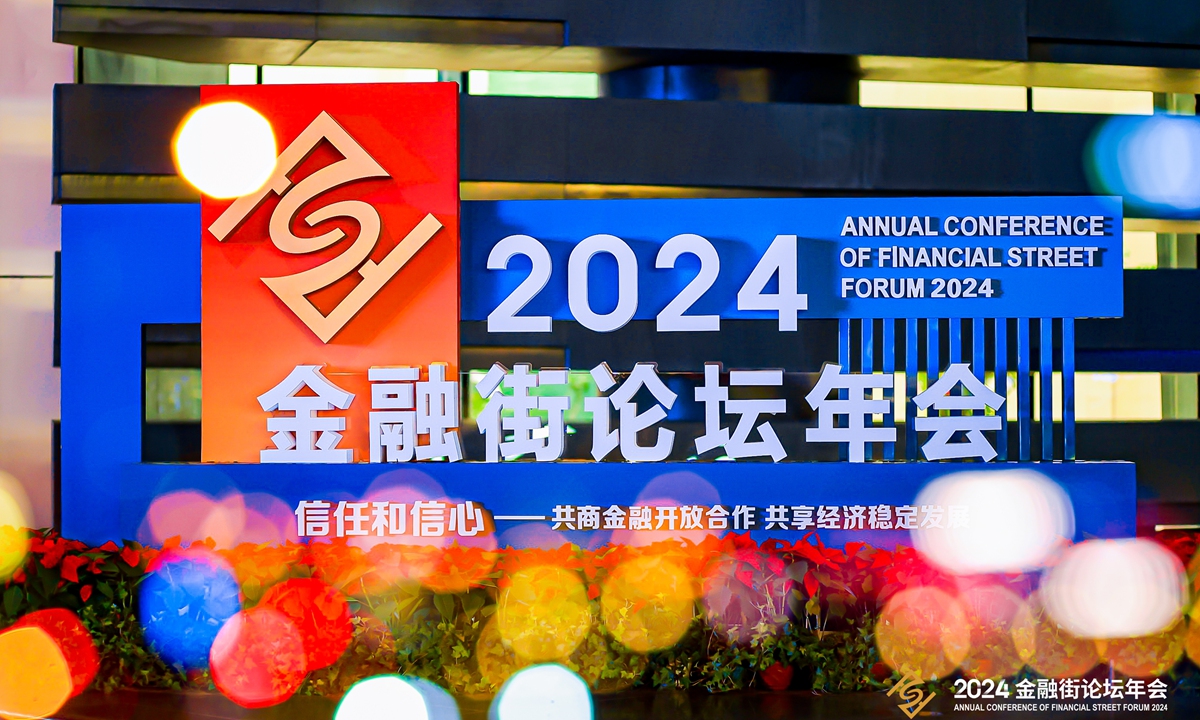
x=780 y=259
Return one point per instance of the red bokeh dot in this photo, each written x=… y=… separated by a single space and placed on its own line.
x=73 y=640
x=319 y=613
x=257 y=659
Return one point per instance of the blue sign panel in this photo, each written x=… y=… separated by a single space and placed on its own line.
x=690 y=263
x=529 y=501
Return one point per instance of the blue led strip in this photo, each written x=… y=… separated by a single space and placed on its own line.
x=1024 y=397
x=1068 y=381
x=889 y=367
x=844 y=361
x=868 y=366
x=1046 y=325
x=1001 y=373
x=910 y=379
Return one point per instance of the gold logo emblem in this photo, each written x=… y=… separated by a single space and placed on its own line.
x=356 y=164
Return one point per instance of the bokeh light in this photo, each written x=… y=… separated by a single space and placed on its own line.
x=1016 y=519
x=1191 y=643
x=35 y=679
x=396 y=697
x=746 y=596
x=257 y=659
x=543 y=692
x=73 y=641
x=1115 y=589
x=15 y=516
x=923 y=631
x=991 y=612
x=496 y=659
x=225 y=149
x=1154 y=162
x=544 y=613
x=647 y=603
x=1149 y=656
x=1049 y=649
x=319 y=614
x=184 y=601
x=192 y=516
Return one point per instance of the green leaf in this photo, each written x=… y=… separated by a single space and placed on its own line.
x=472 y=602
x=12 y=601
x=445 y=605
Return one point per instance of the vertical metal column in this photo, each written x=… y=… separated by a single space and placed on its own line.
x=868 y=366
x=978 y=349
x=1046 y=325
x=1001 y=375
x=844 y=362
x=910 y=379
x=889 y=368
x=955 y=340
x=933 y=364
x=1024 y=397
x=1068 y=383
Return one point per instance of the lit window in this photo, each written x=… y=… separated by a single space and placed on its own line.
x=941 y=96
x=1103 y=102
x=172 y=395
x=1141 y=250
x=243 y=74
x=299 y=74
x=534 y=84
x=1133 y=396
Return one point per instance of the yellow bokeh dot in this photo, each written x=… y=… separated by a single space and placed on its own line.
x=1149 y=656
x=225 y=149
x=35 y=680
x=14 y=519
x=1049 y=649
x=14 y=546
x=648 y=603
x=991 y=611
x=544 y=613
x=494 y=657
x=923 y=632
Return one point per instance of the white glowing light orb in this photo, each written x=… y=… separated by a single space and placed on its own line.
x=225 y=149
x=1013 y=520
x=1115 y=589
x=396 y=697
x=542 y=692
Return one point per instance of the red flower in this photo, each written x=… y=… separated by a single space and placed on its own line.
x=54 y=553
x=109 y=546
x=131 y=557
x=70 y=567
x=85 y=592
x=778 y=677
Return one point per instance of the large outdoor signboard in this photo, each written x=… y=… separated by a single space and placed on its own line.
x=330 y=308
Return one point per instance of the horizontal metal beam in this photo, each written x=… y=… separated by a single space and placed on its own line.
x=598 y=35
x=768 y=147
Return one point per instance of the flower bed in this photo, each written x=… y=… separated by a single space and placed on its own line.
x=722 y=615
